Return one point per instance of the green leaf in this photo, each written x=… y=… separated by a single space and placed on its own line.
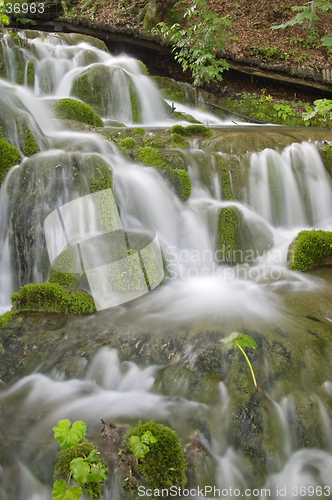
x=69 y=437
x=61 y=492
x=148 y=438
x=80 y=469
x=240 y=339
x=138 y=448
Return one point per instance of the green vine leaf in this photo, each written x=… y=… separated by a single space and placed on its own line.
x=138 y=448
x=240 y=339
x=61 y=492
x=69 y=437
x=88 y=472
x=148 y=438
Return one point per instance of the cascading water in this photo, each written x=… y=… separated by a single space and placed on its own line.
x=284 y=193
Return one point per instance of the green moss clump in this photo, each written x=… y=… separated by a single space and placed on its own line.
x=226 y=188
x=127 y=143
x=181 y=181
x=165 y=464
x=70 y=109
x=62 y=467
x=102 y=179
x=177 y=141
x=310 y=249
x=139 y=132
x=52 y=297
x=192 y=131
x=228 y=234
x=5 y=317
x=326 y=155
x=179 y=178
x=31 y=73
x=151 y=157
x=170 y=89
x=64 y=279
x=30 y=146
x=134 y=104
x=9 y=156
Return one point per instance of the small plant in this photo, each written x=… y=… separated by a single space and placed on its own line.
x=323 y=107
x=139 y=445
x=242 y=340
x=284 y=111
x=160 y=456
x=78 y=460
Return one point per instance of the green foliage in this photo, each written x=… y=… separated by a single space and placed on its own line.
x=309 y=12
x=261 y=107
x=127 y=143
x=139 y=445
x=241 y=340
x=4 y=20
x=196 y=46
x=79 y=460
x=164 y=465
x=9 y=156
x=177 y=141
x=69 y=437
x=323 y=108
x=310 y=249
x=61 y=491
x=139 y=132
x=191 y=131
x=70 y=109
x=30 y=146
x=52 y=297
x=5 y=317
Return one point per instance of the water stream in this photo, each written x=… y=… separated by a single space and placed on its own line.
x=285 y=192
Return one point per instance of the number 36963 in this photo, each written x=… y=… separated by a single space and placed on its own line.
x=24 y=8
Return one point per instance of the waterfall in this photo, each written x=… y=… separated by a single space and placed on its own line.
x=199 y=299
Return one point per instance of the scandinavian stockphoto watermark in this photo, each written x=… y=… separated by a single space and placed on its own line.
x=85 y=237
x=239 y=264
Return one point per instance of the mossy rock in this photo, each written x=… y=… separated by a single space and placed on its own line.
x=71 y=109
x=52 y=297
x=29 y=146
x=235 y=142
x=36 y=186
x=177 y=141
x=240 y=240
x=325 y=152
x=94 y=86
x=165 y=464
x=62 y=467
x=191 y=131
x=310 y=249
x=31 y=73
x=179 y=178
x=9 y=156
x=172 y=90
x=76 y=38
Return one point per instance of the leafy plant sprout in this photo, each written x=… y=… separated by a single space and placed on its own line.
x=242 y=340
x=79 y=461
x=196 y=47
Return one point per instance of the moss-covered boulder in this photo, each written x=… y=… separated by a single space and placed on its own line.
x=49 y=298
x=31 y=73
x=96 y=87
x=71 y=109
x=178 y=177
x=164 y=465
x=35 y=190
x=310 y=249
x=191 y=131
x=239 y=238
